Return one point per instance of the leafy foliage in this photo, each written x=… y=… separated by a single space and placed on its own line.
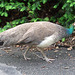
x=16 y=12
x=68 y=7
x=13 y=23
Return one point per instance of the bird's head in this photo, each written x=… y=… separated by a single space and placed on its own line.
x=71 y=29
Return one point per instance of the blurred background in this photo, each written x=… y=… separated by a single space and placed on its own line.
x=15 y=12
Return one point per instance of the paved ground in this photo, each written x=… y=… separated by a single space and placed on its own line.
x=14 y=64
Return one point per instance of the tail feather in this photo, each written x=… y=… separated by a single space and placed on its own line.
x=13 y=35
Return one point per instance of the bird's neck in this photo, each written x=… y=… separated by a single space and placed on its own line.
x=70 y=30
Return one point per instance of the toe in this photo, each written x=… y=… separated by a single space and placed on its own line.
x=49 y=60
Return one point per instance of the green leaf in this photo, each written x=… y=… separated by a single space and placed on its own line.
x=68 y=1
x=13 y=22
x=64 y=6
x=71 y=5
x=66 y=16
x=8 y=7
x=44 y=1
x=33 y=7
x=10 y=0
x=17 y=22
x=13 y=7
x=22 y=9
x=32 y=12
x=2 y=4
x=2 y=14
x=22 y=21
x=8 y=26
x=34 y=0
x=46 y=19
x=3 y=30
x=63 y=39
x=55 y=6
x=14 y=25
x=24 y=0
x=5 y=14
x=7 y=23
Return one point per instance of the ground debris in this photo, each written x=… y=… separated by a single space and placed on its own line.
x=56 y=50
x=67 y=67
x=69 y=42
x=69 y=54
x=69 y=49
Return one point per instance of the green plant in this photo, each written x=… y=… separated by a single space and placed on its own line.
x=28 y=11
x=68 y=7
x=21 y=6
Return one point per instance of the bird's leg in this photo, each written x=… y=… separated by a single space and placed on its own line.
x=24 y=54
x=45 y=57
x=37 y=55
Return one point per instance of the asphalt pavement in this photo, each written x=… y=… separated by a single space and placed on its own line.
x=13 y=63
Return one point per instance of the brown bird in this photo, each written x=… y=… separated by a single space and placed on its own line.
x=39 y=34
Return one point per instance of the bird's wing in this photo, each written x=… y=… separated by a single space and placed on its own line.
x=36 y=34
x=11 y=36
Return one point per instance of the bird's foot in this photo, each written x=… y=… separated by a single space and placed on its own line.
x=26 y=58
x=48 y=59
x=44 y=58
x=37 y=55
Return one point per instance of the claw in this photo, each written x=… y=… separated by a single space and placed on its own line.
x=26 y=58
x=48 y=59
x=44 y=58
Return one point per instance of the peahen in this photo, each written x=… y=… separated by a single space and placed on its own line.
x=39 y=34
